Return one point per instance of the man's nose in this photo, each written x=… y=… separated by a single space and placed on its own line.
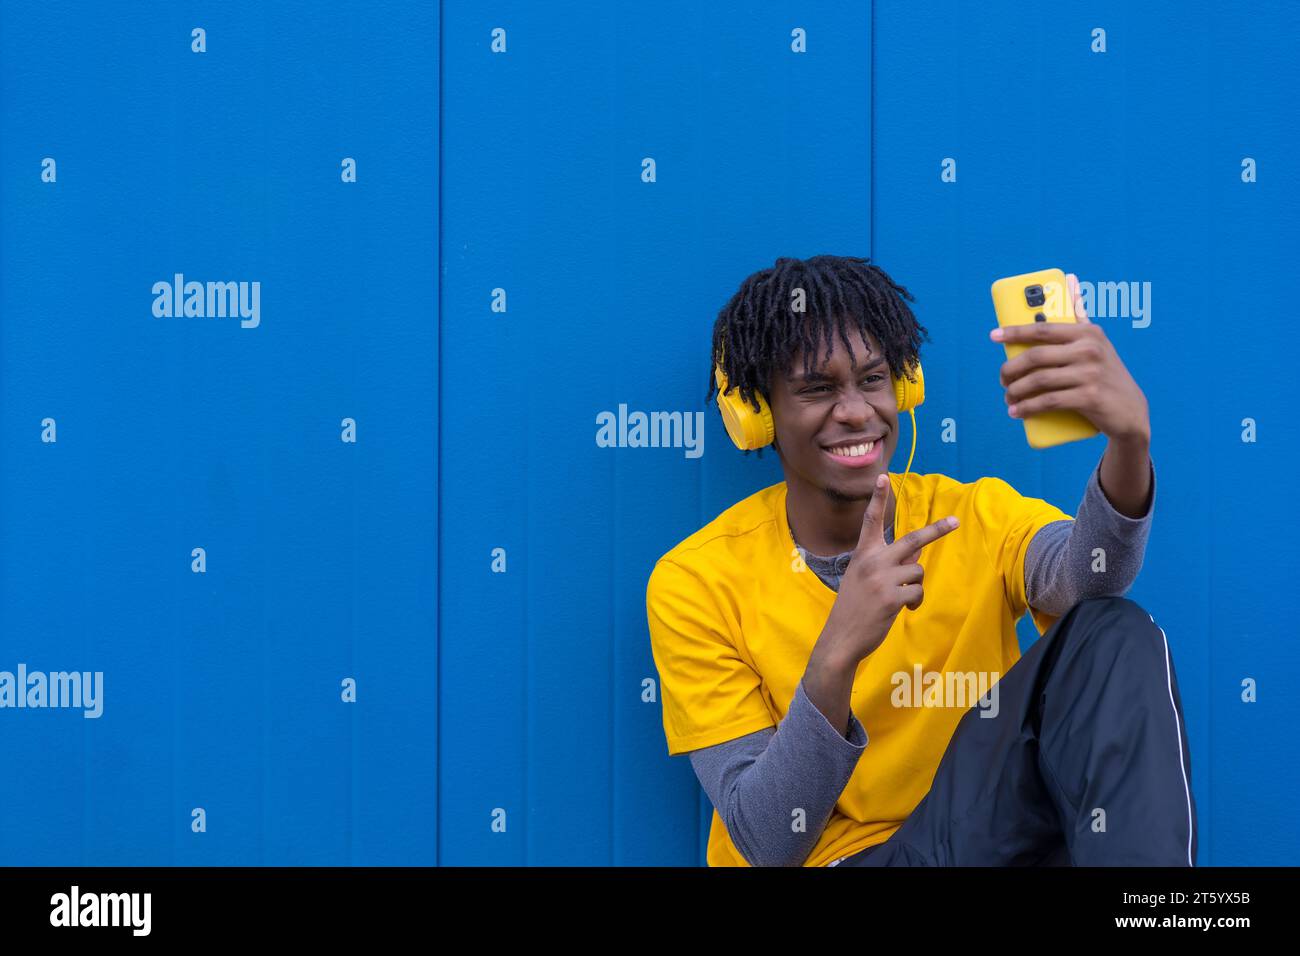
x=854 y=407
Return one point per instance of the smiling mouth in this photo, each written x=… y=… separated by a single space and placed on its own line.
x=856 y=455
x=852 y=448
x=846 y=447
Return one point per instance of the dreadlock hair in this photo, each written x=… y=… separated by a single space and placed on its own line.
x=757 y=333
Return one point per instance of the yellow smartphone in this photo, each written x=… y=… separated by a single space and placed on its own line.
x=1042 y=296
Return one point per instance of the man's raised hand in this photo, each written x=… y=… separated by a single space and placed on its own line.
x=882 y=579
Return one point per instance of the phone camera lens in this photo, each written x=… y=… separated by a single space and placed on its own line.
x=1034 y=295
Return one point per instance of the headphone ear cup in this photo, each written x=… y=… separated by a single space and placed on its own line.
x=910 y=394
x=747 y=428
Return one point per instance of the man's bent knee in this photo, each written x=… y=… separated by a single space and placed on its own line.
x=1121 y=623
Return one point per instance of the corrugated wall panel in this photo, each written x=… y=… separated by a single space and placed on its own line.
x=222 y=690
x=504 y=272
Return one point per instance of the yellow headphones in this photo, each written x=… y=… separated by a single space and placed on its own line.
x=751 y=429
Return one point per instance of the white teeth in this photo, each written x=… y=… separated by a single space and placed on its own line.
x=853 y=451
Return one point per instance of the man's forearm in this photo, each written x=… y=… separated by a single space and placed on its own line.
x=828 y=681
x=763 y=783
x=1125 y=475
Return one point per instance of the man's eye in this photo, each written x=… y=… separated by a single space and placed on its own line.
x=869 y=380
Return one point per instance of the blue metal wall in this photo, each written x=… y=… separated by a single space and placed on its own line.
x=500 y=274
x=222 y=690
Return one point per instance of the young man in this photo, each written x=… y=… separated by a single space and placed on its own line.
x=841 y=602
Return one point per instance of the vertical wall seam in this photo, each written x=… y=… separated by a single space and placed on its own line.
x=871 y=139
x=437 y=490
x=611 y=792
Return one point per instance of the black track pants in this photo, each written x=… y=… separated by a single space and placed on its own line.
x=1086 y=762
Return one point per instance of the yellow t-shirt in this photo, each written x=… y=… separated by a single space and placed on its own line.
x=734 y=615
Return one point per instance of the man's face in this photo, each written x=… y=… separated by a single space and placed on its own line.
x=840 y=404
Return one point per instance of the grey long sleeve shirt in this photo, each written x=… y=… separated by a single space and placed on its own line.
x=754 y=780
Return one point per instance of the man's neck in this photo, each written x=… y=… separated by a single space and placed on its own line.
x=827 y=526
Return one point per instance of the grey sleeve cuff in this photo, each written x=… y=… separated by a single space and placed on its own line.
x=808 y=711
x=1063 y=565
x=775 y=790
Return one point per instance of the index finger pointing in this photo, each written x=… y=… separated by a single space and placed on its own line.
x=912 y=542
x=872 y=534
